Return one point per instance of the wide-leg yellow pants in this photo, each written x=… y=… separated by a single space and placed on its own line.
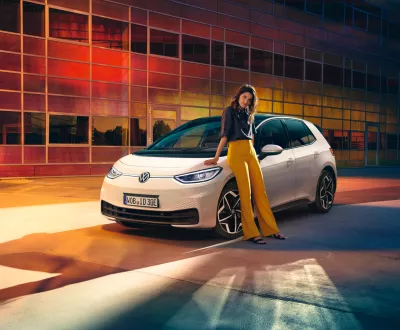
x=243 y=161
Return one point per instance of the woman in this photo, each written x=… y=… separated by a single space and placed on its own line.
x=238 y=129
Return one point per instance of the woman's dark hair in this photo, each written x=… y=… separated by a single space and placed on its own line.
x=253 y=104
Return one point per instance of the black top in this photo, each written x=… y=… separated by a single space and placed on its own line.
x=235 y=125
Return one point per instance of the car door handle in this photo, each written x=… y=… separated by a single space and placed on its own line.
x=290 y=161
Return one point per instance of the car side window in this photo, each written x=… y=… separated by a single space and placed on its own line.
x=272 y=132
x=300 y=134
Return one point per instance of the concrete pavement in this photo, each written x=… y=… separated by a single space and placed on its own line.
x=62 y=266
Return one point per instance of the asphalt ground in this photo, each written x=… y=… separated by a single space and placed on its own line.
x=62 y=266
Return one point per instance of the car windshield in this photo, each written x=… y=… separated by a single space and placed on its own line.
x=196 y=138
x=202 y=137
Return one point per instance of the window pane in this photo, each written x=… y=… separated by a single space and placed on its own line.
x=374 y=24
x=138 y=39
x=195 y=49
x=360 y=19
x=393 y=86
x=68 y=86
x=138 y=132
x=82 y=5
x=357 y=141
x=217 y=53
x=333 y=75
x=68 y=69
x=35 y=128
x=313 y=71
x=10 y=127
x=261 y=61
x=298 y=4
x=373 y=83
x=334 y=138
x=297 y=132
x=68 y=51
x=278 y=65
x=34 y=19
x=34 y=83
x=34 y=102
x=10 y=81
x=272 y=133
x=358 y=80
x=334 y=10
x=9 y=15
x=110 y=131
x=68 y=129
x=347 y=78
x=237 y=57
x=68 y=104
x=314 y=6
x=110 y=33
x=33 y=64
x=391 y=141
x=164 y=43
x=66 y=25
x=294 y=67
x=10 y=62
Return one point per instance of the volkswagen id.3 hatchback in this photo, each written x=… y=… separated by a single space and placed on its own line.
x=167 y=183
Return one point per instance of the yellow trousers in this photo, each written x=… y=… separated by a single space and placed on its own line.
x=243 y=161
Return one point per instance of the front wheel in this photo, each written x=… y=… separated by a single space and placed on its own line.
x=325 y=194
x=228 y=222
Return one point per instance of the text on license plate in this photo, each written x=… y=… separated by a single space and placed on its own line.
x=134 y=200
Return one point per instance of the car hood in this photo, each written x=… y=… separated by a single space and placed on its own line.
x=133 y=164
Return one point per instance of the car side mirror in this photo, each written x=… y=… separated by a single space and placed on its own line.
x=270 y=150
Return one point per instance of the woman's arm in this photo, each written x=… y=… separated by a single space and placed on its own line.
x=221 y=145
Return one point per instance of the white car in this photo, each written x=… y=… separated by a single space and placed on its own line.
x=168 y=184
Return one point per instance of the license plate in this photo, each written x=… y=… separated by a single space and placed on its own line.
x=141 y=200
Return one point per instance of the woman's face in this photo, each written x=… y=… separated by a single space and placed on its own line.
x=245 y=99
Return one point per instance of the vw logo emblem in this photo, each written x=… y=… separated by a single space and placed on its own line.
x=144 y=177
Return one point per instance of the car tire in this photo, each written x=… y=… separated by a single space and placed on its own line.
x=228 y=219
x=325 y=194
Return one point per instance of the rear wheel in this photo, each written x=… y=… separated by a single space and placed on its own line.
x=325 y=194
x=229 y=224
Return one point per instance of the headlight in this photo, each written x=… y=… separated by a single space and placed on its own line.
x=113 y=173
x=198 y=176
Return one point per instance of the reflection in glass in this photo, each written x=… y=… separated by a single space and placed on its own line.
x=110 y=131
x=67 y=25
x=162 y=127
x=110 y=33
x=35 y=128
x=278 y=65
x=68 y=129
x=164 y=43
x=34 y=22
x=357 y=140
x=138 y=39
x=10 y=127
x=138 y=132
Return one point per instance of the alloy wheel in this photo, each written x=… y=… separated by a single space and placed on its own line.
x=326 y=192
x=229 y=214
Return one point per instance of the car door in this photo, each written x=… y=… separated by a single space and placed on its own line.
x=304 y=153
x=277 y=169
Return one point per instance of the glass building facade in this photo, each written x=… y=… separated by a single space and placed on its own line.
x=84 y=82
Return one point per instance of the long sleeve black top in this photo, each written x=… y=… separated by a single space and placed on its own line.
x=235 y=124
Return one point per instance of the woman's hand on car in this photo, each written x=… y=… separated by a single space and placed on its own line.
x=212 y=161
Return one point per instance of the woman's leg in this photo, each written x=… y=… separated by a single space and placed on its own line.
x=239 y=167
x=266 y=217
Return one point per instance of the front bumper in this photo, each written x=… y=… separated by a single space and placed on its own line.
x=180 y=205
